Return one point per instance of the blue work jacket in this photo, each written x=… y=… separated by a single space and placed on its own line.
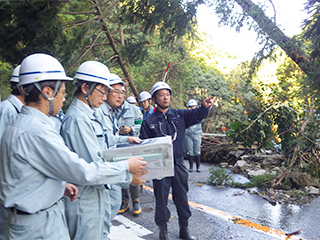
x=173 y=123
x=147 y=114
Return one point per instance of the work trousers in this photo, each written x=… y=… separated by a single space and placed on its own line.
x=179 y=184
x=4 y=212
x=112 y=204
x=193 y=143
x=49 y=224
x=85 y=215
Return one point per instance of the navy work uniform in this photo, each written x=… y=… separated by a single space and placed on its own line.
x=173 y=123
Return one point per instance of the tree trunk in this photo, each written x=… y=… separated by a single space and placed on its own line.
x=115 y=49
x=292 y=50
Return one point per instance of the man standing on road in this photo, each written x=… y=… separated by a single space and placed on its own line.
x=106 y=114
x=172 y=122
x=193 y=140
x=9 y=110
x=35 y=163
x=126 y=119
x=84 y=134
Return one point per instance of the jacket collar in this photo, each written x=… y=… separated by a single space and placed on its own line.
x=83 y=107
x=159 y=114
x=13 y=100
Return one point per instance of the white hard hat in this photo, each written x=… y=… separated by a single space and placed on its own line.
x=40 y=67
x=158 y=86
x=93 y=71
x=192 y=103
x=15 y=74
x=131 y=99
x=144 y=95
x=115 y=79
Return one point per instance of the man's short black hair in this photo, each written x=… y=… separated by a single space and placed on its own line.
x=32 y=93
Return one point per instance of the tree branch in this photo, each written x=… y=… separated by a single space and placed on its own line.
x=88 y=48
x=258 y=117
x=78 y=13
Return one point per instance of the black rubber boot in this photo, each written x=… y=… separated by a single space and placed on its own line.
x=184 y=231
x=198 y=160
x=190 y=158
x=163 y=232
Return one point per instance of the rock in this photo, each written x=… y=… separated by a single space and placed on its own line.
x=302 y=179
x=257 y=172
x=271 y=160
x=241 y=163
x=268 y=152
x=237 y=153
x=313 y=191
x=224 y=164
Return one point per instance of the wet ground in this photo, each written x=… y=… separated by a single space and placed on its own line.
x=238 y=203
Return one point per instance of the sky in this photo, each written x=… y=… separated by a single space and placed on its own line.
x=289 y=17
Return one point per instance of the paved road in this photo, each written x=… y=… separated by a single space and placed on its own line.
x=221 y=213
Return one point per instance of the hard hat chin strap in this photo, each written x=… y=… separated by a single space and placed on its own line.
x=89 y=92
x=56 y=88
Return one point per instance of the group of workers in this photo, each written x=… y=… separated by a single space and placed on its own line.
x=54 y=180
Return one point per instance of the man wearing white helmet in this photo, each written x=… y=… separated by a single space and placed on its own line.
x=131 y=100
x=144 y=99
x=172 y=122
x=126 y=121
x=193 y=140
x=9 y=109
x=35 y=163
x=107 y=116
x=85 y=135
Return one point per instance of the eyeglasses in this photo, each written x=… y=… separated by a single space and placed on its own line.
x=64 y=94
x=103 y=93
x=121 y=93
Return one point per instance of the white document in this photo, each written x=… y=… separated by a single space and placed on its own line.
x=158 y=152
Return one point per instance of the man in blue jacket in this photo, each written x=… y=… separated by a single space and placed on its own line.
x=172 y=122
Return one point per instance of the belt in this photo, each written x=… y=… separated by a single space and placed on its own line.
x=14 y=210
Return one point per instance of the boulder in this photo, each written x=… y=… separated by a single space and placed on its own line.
x=271 y=161
x=302 y=179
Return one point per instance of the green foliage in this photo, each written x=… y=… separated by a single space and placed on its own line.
x=5 y=74
x=233 y=93
x=219 y=176
x=256 y=130
x=27 y=27
x=298 y=194
x=262 y=181
x=171 y=18
x=286 y=184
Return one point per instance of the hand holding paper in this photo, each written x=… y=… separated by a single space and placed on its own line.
x=136 y=164
x=136 y=178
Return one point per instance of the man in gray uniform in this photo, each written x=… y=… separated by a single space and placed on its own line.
x=127 y=120
x=35 y=163
x=9 y=110
x=193 y=140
